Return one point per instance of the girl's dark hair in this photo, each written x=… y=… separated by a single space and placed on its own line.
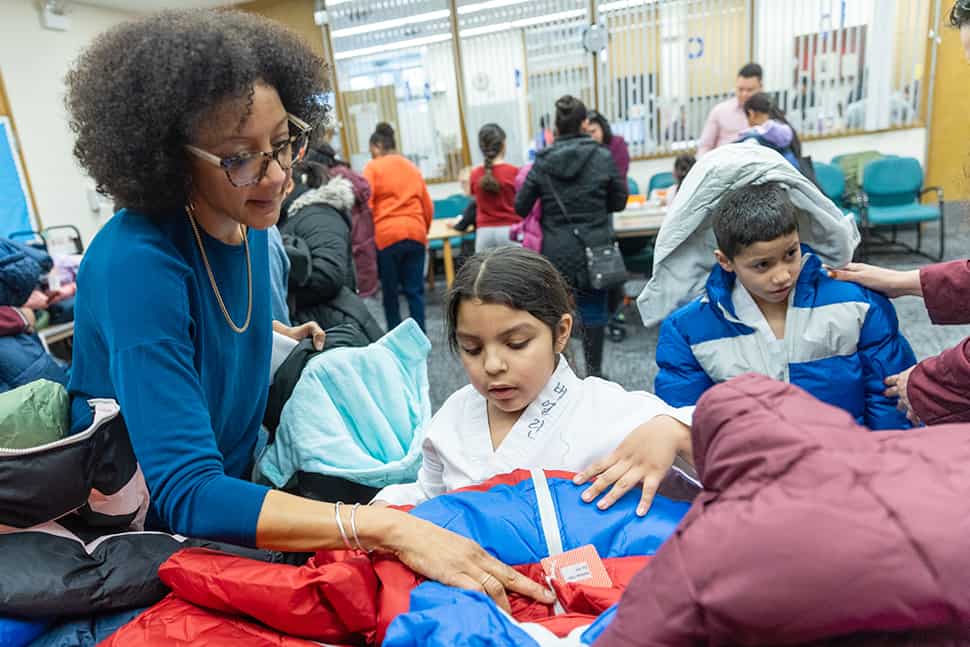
x=491 y=139
x=960 y=14
x=383 y=137
x=600 y=120
x=570 y=115
x=682 y=166
x=511 y=276
x=763 y=103
x=140 y=92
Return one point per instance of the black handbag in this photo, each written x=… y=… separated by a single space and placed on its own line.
x=604 y=263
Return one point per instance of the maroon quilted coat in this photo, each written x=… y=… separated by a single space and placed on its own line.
x=809 y=527
x=362 y=231
x=939 y=387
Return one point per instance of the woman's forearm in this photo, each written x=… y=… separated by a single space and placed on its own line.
x=291 y=523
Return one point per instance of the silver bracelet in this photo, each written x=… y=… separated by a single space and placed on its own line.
x=340 y=524
x=353 y=528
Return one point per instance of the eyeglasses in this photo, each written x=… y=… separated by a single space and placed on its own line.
x=247 y=169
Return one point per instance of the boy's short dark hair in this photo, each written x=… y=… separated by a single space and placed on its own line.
x=682 y=166
x=751 y=214
x=751 y=71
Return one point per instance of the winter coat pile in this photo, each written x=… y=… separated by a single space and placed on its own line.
x=71 y=519
x=322 y=282
x=809 y=528
x=354 y=419
x=582 y=173
x=352 y=598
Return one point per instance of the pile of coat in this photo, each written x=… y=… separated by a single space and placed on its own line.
x=352 y=598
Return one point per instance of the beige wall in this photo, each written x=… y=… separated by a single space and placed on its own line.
x=33 y=62
x=295 y=14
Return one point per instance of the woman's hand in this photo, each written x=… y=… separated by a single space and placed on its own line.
x=643 y=457
x=309 y=329
x=892 y=283
x=442 y=555
x=898 y=386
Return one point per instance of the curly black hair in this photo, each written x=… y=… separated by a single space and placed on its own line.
x=137 y=94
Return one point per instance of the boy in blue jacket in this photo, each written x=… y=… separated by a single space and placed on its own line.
x=771 y=308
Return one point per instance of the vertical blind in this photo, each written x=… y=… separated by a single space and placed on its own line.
x=834 y=66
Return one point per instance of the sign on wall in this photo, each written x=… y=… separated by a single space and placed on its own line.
x=16 y=212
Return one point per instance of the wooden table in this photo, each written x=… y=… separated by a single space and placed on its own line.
x=643 y=221
x=441 y=230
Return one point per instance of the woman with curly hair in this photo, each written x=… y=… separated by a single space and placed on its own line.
x=192 y=121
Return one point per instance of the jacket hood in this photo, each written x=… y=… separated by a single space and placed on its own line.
x=567 y=157
x=731 y=448
x=338 y=193
x=720 y=284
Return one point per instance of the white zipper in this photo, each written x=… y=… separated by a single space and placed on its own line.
x=104 y=410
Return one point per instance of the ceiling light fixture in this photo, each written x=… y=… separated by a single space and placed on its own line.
x=390 y=24
x=403 y=44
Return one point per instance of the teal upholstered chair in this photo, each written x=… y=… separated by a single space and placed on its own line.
x=660 y=181
x=632 y=187
x=831 y=180
x=891 y=191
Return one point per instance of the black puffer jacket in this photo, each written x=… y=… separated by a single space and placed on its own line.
x=589 y=186
x=322 y=283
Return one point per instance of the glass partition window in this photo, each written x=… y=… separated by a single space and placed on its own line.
x=394 y=63
x=834 y=66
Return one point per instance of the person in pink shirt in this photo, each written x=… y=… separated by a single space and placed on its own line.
x=727 y=119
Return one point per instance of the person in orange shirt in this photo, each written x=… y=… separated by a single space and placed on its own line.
x=402 y=216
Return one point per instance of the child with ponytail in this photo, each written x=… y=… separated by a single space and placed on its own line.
x=493 y=187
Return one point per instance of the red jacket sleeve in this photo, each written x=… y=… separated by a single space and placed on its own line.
x=939 y=387
x=11 y=321
x=946 y=291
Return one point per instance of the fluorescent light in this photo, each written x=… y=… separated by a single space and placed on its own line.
x=624 y=4
x=490 y=4
x=487 y=29
x=522 y=23
x=389 y=47
x=390 y=24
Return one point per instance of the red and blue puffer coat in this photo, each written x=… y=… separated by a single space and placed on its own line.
x=351 y=598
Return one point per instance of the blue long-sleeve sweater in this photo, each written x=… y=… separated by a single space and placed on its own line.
x=149 y=333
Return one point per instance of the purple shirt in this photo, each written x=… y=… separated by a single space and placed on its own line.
x=724 y=124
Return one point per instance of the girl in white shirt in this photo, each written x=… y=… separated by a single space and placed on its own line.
x=509 y=320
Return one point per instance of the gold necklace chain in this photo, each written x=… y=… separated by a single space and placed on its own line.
x=212 y=278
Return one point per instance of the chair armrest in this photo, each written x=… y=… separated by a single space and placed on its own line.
x=938 y=190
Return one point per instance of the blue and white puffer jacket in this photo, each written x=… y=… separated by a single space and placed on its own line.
x=841 y=342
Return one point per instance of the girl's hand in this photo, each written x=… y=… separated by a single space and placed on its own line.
x=442 y=555
x=298 y=333
x=898 y=386
x=892 y=283
x=643 y=457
